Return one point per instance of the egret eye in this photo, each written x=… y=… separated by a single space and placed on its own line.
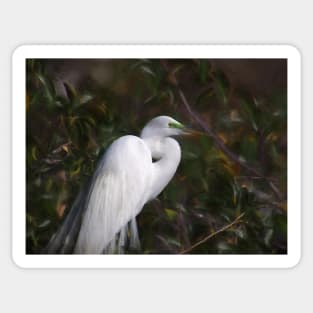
x=175 y=125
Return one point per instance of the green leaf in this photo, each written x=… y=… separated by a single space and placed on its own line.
x=147 y=70
x=34 y=153
x=171 y=214
x=70 y=92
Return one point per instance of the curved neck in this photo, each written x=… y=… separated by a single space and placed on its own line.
x=168 y=154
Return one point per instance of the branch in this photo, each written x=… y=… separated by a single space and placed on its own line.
x=237 y=220
x=217 y=141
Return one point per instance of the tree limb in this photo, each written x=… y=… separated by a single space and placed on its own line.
x=237 y=220
x=217 y=141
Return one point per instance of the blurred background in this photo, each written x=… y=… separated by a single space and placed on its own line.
x=229 y=195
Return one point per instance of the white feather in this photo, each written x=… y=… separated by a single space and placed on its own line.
x=118 y=193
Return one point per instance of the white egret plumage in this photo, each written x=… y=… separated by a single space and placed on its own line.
x=133 y=171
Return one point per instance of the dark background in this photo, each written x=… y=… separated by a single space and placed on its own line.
x=236 y=172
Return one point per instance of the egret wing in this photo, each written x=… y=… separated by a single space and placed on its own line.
x=119 y=190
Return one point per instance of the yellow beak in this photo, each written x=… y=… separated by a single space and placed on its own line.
x=192 y=133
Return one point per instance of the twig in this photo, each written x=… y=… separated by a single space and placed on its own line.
x=237 y=220
x=218 y=141
x=63 y=147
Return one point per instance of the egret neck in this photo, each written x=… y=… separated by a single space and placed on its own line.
x=167 y=153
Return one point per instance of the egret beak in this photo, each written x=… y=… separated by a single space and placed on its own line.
x=192 y=133
x=185 y=131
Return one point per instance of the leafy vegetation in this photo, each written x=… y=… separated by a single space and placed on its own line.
x=70 y=123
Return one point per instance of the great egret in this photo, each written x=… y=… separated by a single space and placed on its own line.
x=126 y=178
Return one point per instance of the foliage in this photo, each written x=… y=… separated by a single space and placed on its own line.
x=71 y=123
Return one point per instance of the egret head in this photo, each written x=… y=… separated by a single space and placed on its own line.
x=163 y=126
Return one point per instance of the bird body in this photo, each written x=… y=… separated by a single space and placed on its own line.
x=133 y=171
